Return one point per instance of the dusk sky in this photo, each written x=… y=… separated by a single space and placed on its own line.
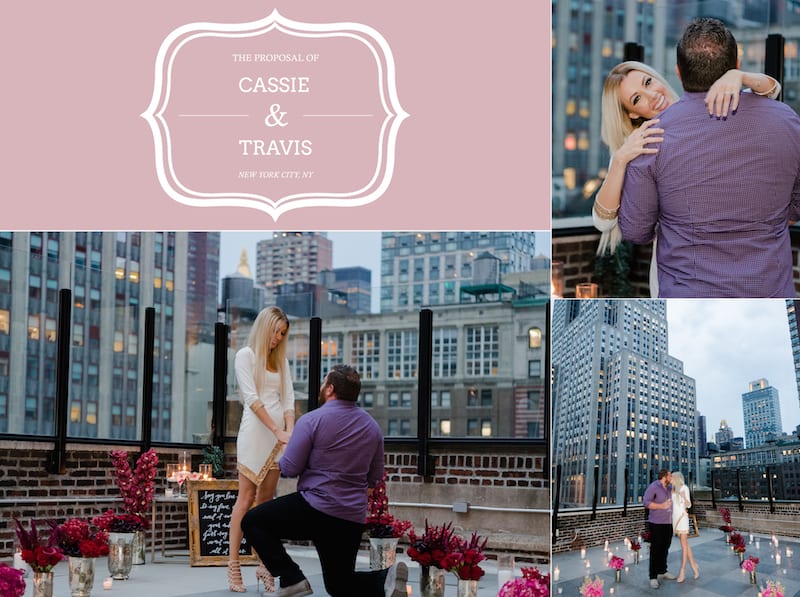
x=726 y=344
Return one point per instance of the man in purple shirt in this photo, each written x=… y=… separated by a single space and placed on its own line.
x=658 y=501
x=721 y=190
x=337 y=453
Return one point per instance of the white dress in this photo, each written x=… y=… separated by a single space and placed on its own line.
x=255 y=441
x=680 y=502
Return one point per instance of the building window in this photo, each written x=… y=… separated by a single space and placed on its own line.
x=440 y=399
x=365 y=355
x=533 y=429
x=534 y=400
x=473 y=427
x=401 y=358
x=367 y=399
x=445 y=346
x=482 y=350
x=534 y=368
x=75 y=412
x=486 y=397
x=297 y=353
x=534 y=338
x=33 y=327
x=5 y=321
x=331 y=352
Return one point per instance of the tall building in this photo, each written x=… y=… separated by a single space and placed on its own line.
x=589 y=39
x=113 y=277
x=289 y=257
x=761 y=407
x=202 y=284
x=621 y=403
x=430 y=268
x=241 y=298
x=792 y=308
x=354 y=282
x=724 y=435
x=702 y=436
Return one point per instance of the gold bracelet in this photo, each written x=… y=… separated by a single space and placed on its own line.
x=604 y=212
x=768 y=91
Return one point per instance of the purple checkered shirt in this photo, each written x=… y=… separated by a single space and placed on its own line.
x=722 y=192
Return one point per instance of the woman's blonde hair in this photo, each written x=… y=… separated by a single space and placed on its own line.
x=260 y=340
x=616 y=123
x=677 y=481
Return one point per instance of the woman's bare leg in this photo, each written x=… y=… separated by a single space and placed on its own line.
x=244 y=501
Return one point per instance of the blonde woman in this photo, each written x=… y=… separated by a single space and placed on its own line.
x=265 y=388
x=633 y=96
x=680 y=523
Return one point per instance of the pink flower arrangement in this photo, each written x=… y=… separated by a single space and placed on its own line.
x=532 y=584
x=111 y=522
x=136 y=487
x=592 y=588
x=726 y=516
x=380 y=522
x=430 y=548
x=78 y=539
x=465 y=557
x=40 y=556
x=12 y=583
x=616 y=562
x=774 y=589
x=750 y=564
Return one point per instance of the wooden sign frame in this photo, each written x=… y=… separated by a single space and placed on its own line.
x=194 y=490
x=694 y=530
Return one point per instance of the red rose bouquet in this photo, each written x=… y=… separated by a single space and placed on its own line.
x=635 y=545
x=430 y=548
x=532 y=584
x=380 y=522
x=464 y=558
x=136 y=487
x=111 y=522
x=11 y=581
x=737 y=539
x=78 y=539
x=41 y=557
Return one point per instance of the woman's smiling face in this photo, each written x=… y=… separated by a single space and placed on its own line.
x=642 y=95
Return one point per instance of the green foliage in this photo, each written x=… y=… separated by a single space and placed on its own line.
x=612 y=271
x=214 y=456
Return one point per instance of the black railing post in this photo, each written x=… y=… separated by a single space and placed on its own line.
x=425 y=467
x=556 y=502
x=713 y=491
x=57 y=459
x=770 y=492
x=220 y=394
x=773 y=58
x=594 y=497
x=739 y=489
x=314 y=362
x=633 y=51
x=625 y=499
x=548 y=378
x=147 y=377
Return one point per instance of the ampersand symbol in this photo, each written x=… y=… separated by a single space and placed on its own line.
x=275 y=118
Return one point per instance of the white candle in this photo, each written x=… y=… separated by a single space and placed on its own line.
x=556 y=573
x=583 y=553
x=107 y=583
x=627 y=569
x=788 y=552
x=19 y=563
x=611 y=591
x=408 y=590
x=605 y=546
x=778 y=559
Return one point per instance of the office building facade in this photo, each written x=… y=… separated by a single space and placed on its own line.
x=761 y=408
x=289 y=257
x=431 y=268
x=621 y=403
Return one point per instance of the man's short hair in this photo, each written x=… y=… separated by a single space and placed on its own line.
x=663 y=473
x=345 y=381
x=705 y=52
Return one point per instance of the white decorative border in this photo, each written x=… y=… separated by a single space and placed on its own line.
x=154 y=115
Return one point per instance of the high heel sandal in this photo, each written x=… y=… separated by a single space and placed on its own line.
x=235 y=584
x=696 y=572
x=263 y=576
x=681 y=577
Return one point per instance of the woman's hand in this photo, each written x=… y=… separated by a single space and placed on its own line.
x=282 y=436
x=723 y=96
x=635 y=143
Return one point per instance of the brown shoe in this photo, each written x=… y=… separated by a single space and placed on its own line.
x=298 y=589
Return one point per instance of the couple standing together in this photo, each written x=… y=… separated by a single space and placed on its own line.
x=713 y=181
x=667 y=501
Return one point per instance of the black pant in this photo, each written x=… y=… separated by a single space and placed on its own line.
x=336 y=540
x=660 y=539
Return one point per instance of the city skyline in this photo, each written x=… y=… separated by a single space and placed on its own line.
x=725 y=345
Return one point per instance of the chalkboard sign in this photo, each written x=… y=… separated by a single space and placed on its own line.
x=694 y=530
x=210 y=506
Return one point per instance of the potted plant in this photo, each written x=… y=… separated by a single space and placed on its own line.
x=81 y=543
x=214 y=456
x=464 y=561
x=429 y=551
x=383 y=529
x=41 y=556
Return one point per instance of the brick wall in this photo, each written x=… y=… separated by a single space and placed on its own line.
x=495 y=485
x=576 y=249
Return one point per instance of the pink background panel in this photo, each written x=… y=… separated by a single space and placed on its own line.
x=473 y=154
